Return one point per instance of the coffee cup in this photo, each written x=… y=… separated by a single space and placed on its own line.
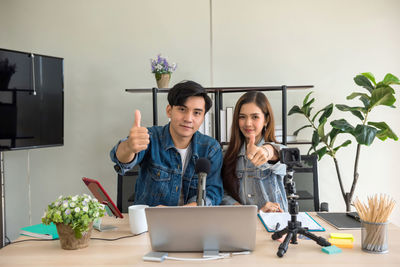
x=137 y=219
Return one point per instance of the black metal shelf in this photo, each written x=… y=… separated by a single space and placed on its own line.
x=218 y=98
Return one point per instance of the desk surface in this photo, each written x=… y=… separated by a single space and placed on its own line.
x=129 y=251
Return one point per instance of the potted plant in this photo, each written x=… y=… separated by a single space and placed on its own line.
x=162 y=70
x=73 y=217
x=6 y=71
x=364 y=133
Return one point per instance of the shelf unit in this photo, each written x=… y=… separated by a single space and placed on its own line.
x=304 y=195
x=218 y=103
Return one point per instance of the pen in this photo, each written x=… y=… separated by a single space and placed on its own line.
x=277 y=226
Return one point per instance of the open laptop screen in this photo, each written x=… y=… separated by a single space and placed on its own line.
x=216 y=228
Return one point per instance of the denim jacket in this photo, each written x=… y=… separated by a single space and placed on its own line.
x=160 y=175
x=259 y=185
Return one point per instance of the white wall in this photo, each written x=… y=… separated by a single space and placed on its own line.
x=107 y=46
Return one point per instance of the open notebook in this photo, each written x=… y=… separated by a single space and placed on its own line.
x=271 y=219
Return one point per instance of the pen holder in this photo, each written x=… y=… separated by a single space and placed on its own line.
x=374 y=237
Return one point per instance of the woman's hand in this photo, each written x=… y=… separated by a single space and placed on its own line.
x=258 y=155
x=271 y=207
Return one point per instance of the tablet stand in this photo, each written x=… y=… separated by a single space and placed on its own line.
x=291 y=157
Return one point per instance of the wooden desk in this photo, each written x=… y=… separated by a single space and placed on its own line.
x=129 y=251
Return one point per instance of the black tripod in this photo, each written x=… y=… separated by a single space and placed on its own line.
x=291 y=157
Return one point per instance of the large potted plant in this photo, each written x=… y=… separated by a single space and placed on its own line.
x=364 y=133
x=73 y=217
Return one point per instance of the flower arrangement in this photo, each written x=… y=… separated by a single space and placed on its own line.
x=160 y=66
x=76 y=211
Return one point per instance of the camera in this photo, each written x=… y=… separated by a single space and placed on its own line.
x=290 y=156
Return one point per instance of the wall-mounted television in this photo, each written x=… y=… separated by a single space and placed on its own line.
x=31 y=100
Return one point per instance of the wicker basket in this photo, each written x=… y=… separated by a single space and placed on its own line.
x=68 y=239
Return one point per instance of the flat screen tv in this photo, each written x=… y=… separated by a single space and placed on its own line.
x=31 y=100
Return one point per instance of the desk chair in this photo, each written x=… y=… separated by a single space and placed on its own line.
x=306 y=179
x=126 y=189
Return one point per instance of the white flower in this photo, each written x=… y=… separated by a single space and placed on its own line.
x=72 y=204
x=95 y=200
x=67 y=211
x=77 y=209
x=102 y=206
x=74 y=198
x=86 y=200
x=57 y=203
x=58 y=212
x=65 y=204
x=45 y=214
x=85 y=209
x=60 y=197
x=96 y=214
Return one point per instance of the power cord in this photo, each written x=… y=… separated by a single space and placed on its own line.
x=92 y=238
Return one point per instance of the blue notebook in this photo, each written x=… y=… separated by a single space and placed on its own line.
x=271 y=219
x=40 y=231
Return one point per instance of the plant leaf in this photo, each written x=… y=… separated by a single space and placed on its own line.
x=382 y=96
x=345 y=143
x=321 y=152
x=390 y=79
x=315 y=140
x=332 y=135
x=365 y=134
x=295 y=109
x=364 y=82
x=321 y=131
x=356 y=111
x=327 y=112
x=342 y=125
x=298 y=130
x=384 y=131
x=370 y=76
x=306 y=98
x=306 y=108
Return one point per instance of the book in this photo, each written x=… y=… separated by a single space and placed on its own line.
x=229 y=120
x=40 y=231
x=271 y=219
x=340 y=220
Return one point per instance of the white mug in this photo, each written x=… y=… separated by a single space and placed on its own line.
x=137 y=219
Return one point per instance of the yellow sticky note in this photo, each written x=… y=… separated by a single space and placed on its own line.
x=341 y=243
x=342 y=236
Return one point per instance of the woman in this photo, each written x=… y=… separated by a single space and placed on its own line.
x=251 y=172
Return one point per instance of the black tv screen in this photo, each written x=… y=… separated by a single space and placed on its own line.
x=31 y=100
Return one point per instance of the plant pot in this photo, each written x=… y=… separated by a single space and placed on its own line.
x=163 y=80
x=67 y=237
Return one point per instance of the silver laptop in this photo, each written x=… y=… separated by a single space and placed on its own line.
x=202 y=229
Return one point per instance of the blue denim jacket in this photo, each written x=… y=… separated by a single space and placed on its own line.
x=259 y=185
x=160 y=175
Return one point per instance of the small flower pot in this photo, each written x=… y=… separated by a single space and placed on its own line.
x=69 y=241
x=163 y=80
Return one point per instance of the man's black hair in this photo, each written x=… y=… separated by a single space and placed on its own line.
x=178 y=94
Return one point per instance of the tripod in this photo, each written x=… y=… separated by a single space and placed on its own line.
x=291 y=157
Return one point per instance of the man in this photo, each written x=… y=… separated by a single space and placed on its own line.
x=167 y=154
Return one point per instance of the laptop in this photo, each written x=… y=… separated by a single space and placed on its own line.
x=202 y=229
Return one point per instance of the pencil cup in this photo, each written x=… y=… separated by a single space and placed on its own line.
x=374 y=237
x=137 y=219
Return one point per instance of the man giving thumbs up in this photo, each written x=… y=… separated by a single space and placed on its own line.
x=167 y=154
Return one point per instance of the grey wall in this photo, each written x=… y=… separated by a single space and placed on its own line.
x=107 y=46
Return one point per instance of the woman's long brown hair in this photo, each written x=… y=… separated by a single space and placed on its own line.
x=229 y=178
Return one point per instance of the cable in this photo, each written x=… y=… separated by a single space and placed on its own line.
x=112 y=239
x=92 y=238
x=220 y=256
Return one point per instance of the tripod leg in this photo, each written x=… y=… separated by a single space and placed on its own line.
x=279 y=234
x=284 y=245
x=320 y=240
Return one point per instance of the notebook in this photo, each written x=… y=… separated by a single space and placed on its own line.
x=40 y=231
x=271 y=219
x=200 y=229
x=339 y=220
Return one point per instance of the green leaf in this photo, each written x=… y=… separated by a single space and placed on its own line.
x=306 y=108
x=327 y=112
x=366 y=101
x=321 y=152
x=298 y=130
x=306 y=98
x=332 y=135
x=382 y=96
x=390 y=79
x=370 y=76
x=315 y=140
x=321 y=131
x=355 y=94
x=365 y=134
x=342 y=125
x=364 y=82
x=384 y=131
x=295 y=109
x=356 y=111
x=346 y=143
x=316 y=114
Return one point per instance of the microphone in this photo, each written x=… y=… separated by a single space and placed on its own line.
x=202 y=168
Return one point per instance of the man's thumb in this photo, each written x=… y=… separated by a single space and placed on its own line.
x=138 y=117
